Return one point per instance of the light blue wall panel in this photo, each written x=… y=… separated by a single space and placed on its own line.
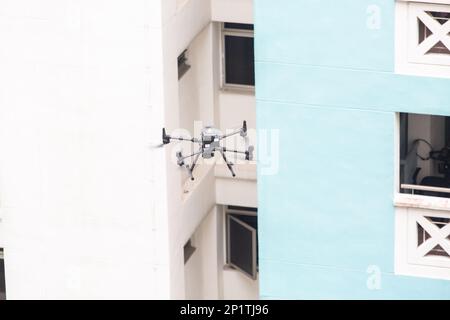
x=352 y=89
x=325 y=81
x=331 y=201
x=293 y=281
x=336 y=33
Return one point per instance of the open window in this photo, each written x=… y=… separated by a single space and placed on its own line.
x=242 y=240
x=425 y=155
x=183 y=65
x=188 y=250
x=2 y=277
x=238 y=55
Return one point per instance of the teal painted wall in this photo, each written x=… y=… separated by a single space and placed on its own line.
x=327 y=82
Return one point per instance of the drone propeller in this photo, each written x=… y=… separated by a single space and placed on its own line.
x=165 y=137
x=243 y=132
x=157 y=146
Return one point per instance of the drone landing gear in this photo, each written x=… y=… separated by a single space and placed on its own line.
x=181 y=163
x=229 y=164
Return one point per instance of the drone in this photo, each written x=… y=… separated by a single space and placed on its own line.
x=209 y=143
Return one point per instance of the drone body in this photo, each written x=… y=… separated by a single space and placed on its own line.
x=209 y=143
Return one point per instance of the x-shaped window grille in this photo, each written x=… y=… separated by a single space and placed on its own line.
x=434 y=32
x=433 y=236
x=429 y=33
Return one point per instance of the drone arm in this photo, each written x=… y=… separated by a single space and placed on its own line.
x=184 y=139
x=248 y=153
x=191 y=155
x=242 y=131
x=231 y=134
x=167 y=138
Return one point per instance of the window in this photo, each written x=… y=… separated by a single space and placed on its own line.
x=238 y=55
x=423 y=38
x=422 y=242
x=189 y=250
x=183 y=66
x=242 y=240
x=422 y=228
x=2 y=277
x=425 y=155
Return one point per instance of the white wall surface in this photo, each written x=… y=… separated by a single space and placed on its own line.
x=238 y=11
x=81 y=93
x=182 y=22
x=86 y=200
x=201 y=271
x=237 y=286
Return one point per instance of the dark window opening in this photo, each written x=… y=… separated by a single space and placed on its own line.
x=2 y=277
x=189 y=250
x=183 y=65
x=239 y=55
x=242 y=241
x=425 y=155
x=238 y=26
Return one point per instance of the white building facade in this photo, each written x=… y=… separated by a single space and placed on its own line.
x=90 y=208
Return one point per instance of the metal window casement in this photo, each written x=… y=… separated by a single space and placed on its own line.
x=423 y=38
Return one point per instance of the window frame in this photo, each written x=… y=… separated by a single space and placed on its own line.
x=407 y=207
x=412 y=200
x=229 y=215
x=406 y=59
x=237 y=33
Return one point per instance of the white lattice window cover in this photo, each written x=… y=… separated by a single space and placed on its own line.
x=429 y=238
x=429 y=33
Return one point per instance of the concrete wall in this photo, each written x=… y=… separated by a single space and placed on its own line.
x=201 y=101
x=86 y=198
x=239 y=11
x=201 y=271
x=81 y=189
x=325 y=78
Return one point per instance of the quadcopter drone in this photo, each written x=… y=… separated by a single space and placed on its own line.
x=209 y=143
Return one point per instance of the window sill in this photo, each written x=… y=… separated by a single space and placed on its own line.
x=422 y=202
x=238 y=89
x=426 y=1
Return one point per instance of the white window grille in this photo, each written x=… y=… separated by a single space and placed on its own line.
x=423 y=38
x=423 y=243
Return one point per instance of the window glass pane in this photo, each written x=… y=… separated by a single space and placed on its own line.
x=425 y=155
x=241 y=246
x=248 y=219
x=239 y=60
